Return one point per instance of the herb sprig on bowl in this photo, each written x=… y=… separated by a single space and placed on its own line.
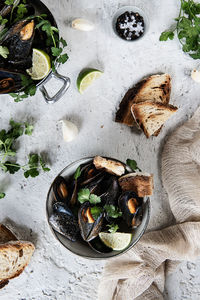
x=187 y=28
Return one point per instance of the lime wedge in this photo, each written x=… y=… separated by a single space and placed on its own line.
x=86 y=78
x=117 y=241
x=41 y=65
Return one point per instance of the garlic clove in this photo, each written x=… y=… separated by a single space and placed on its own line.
x=70 y=130
x=196 y=75
x=82 y=24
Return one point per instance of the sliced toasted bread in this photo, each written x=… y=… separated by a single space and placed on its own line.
x=140 y=183
x=111 y=166
x=6 y=235
x=155 y=88
x=14 y=257
x=151 y=116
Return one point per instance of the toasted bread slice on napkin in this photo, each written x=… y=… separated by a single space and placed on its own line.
x=155 y=88
x=140 y=183
x=151 y=116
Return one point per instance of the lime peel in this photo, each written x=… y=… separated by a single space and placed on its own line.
x=86 y=78
x=41 y=65
x=117 y=241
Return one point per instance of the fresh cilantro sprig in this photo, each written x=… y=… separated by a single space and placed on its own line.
x=84 y=195
x=113 y=211
x=4 y=51
x=96 y=211
x=3 y=21
x=29 y=89
x=187 y=28
x=132 y=164
x=2 y=195
x=112 y=227
x=8 y=151
x=77 y=173
x=57 y=46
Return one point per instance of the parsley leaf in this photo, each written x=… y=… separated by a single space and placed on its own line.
x=112 y=227
x=2 y=195
x=96 y=211
x=77 y=173
x=187 y=28
x=84 y=195
x=132 y=164
x=4 y=51
x=113 y=211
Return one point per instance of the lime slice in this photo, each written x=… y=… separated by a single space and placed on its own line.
x=41 y=65
x=117 y=241
x=86 y=78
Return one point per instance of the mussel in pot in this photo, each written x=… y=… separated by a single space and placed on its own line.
x=131 y=207
x=89 y=174
x=89 y=227
x=10 y=81
x=60 y=189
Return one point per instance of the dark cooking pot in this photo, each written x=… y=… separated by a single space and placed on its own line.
x=40 y=8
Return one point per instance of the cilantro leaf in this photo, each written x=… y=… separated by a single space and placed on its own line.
x=113 y=211
x=12 y=168
x=94 y=199
x=77 y=173
x=96 y=211
x=112 y=227
x=56 y=51
x=4 y=51
x=28 y=128
x=63 y=42
x=166 y=35
x=132 y=164
x=62 y=58
x=2 y=195
x=83 y=195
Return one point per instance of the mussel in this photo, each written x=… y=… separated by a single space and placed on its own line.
x=4 y=9
x=10 y=81
x=63 y=221
x=89 y=174
x=19 y=40
x=131 y=207
x=89 y=227
x=60 y=189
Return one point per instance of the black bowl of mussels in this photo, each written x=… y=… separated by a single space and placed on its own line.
x=99 y=207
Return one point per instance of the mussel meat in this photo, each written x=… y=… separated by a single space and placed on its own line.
x=131 y=207
x=89 y=227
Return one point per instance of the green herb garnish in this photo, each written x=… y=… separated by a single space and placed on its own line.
x=187 y=28
x=132 y=164
x=29 y=89
x=113 y=211
x=4 y=51
x=84 y=195
x=2 y=195
x=77 y=173
x=8 y=151
x=96 y=211
x=112 y=227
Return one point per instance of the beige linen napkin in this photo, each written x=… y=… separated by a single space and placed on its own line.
x=140 y=274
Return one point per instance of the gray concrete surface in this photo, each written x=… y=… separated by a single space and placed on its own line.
x=54 y=273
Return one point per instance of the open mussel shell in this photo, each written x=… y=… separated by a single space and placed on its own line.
x=98 y=246
x=10 y=81
x=60 y=189
x=89 y=175
x=132 y=208
x=89 y=227
x=65 y=224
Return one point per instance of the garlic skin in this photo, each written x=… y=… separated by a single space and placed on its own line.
x=69 y=130
x=196 y=75
x=82 y=24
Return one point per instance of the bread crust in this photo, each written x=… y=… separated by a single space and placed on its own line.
x=141 y=119
x=6 y=235
x=134 y=95
x=141 y=184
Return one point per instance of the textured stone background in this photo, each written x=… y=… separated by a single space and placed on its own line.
x=54 y=273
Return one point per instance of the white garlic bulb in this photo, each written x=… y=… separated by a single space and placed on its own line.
x=70 y=130
x=82 y=24
x=196 y=75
